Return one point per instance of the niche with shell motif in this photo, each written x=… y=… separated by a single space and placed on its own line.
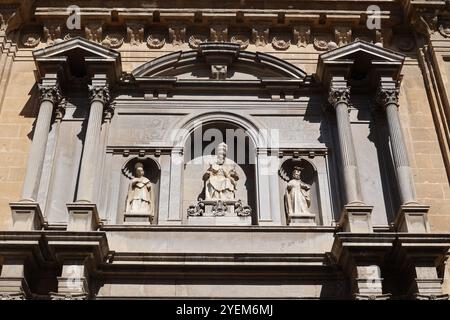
x=299 y=192
x=140 y=191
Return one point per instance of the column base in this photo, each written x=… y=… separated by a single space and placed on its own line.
x=26 y=216
x=302 y=220
x=413 y=218
x=356 y=218
x=83 y=217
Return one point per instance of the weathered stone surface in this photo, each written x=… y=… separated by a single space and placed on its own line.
x=378 y=174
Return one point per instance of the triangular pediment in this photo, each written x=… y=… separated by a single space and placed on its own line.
x=77 y=56
x=362 y=48
x=358 y=62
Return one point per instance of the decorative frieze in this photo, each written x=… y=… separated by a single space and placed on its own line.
x=156 y=41
x=135 y=33
x=343 y=35
x=242 y=40
x=301 y=36
x=52 y=32
x=177 y=33
x=31 y=40
x=219 y=32
x=196 y=39
x=260 y=35
x=281 y=43
x=321 y=42
x=94 y=31
x=113 y=40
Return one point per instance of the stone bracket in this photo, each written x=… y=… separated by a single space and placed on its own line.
x=361 y=256
x=420 y=256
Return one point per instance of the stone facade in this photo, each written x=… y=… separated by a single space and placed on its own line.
x=337 y=187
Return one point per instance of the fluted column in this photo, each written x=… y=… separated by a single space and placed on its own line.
x=387 y=97
x=50 y=96
x=412 y=216
x=83 y=215
x=99 y=96
x=356 y=215
x=339 y=97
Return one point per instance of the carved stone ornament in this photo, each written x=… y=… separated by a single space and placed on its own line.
x=302 y=35
x=219 y=209
x=321 y=43
x=94 y=31
x=99 y=93
x=31 y=40
x=280 y=43
x=218 y=72
x=135 y=33
x=113 y=40
x=196 y=39
x=387 y=96
x=339 y=95
x=50 y=93
x=52 y=33
x=343 y=35
x=156 y=41
x=241 y=40
x=260 y=35
x=197 y=209
x=219 y=32
x=241 y=210
x=177 y=34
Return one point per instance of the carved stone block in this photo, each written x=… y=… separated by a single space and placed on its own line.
x=82 y=217
x=413 y=218
x=357 y=218
x=26 y=216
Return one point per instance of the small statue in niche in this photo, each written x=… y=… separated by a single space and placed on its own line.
x=220 y=178
x=297 y=198
x=140 y=194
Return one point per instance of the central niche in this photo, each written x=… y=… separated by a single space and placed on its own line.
x=219 y=176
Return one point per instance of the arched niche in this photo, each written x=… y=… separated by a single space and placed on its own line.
x=152 y=172
x=200 y=148
x=309 y=176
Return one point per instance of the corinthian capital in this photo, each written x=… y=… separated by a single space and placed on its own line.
x=386 y=96
x=50 y=92
x=339 y=95
x=99 y=93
